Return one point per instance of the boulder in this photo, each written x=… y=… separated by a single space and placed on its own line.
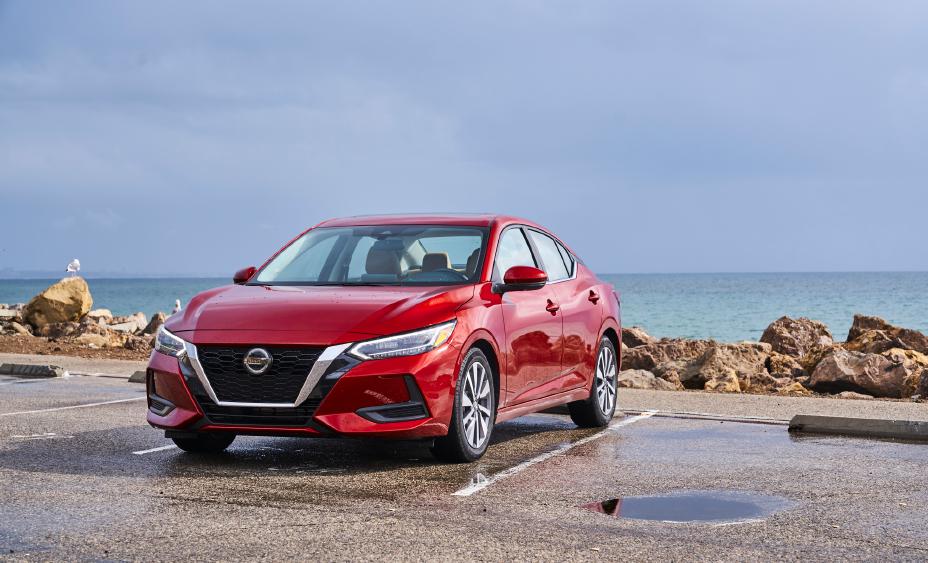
x=636 y=336
x=670 y=372
x=895 y=373
x=20 y=329
x=55 y=331
x=101 y=315
x=9 y=315
x=647 y=357
x=730 y=368
x=796 y=337
x=67 y=300
x=781 y=365
x=874 y=342
x=642 y=379
x=131 y=324
x=156 y=321
x=908 y=338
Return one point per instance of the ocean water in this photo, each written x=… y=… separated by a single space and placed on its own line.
x=727 y=307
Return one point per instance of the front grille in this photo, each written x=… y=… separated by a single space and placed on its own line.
x=261 y=416
x=281 y=383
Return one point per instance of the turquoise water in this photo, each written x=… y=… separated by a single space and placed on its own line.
x=728 y=307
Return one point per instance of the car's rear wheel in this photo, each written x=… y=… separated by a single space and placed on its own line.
x=205 y=443
x=599 y=408
x=474 y=412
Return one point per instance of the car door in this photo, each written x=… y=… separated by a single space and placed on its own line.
x=532 y=323
x=579 y=308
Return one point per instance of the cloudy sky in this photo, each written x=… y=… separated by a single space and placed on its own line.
x=653 y=136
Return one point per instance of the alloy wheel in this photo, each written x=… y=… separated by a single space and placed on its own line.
x=605 y=380
x=476 y=401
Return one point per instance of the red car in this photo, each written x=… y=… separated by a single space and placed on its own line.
x=433 y=327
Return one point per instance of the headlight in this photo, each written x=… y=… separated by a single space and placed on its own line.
x=167 y=343
x=407 y=344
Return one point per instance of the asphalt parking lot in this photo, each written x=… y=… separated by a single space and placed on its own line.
x=82 y=477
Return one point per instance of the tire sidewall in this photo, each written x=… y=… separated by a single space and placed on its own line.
x=457 y=418
x=604 y=419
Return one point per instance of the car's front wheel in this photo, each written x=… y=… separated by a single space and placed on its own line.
x=599 y=408
x=205 y=443
x=474 y=412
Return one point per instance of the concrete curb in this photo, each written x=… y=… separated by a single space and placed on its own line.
x=31 y=370
x=137 y=377
x=864 y=427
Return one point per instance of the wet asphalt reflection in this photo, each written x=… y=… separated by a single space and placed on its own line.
x=96 y=482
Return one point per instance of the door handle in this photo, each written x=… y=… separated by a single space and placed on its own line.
x=552 y=307
x=594 y=297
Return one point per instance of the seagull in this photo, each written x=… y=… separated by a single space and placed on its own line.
x=74 y=267
x=176 y=307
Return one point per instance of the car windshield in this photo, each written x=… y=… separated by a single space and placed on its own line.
x=379 y=255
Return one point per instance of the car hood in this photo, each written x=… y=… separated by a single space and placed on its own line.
x=320 y=315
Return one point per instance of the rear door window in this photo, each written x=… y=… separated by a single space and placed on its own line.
x=550 y=256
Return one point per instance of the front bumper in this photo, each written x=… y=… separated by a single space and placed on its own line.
x=405 y=398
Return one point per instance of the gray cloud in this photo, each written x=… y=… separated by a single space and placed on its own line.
x=653 y=136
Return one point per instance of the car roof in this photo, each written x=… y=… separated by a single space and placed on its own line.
x=457 y=219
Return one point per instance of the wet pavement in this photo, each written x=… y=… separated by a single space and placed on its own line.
x=92 y=481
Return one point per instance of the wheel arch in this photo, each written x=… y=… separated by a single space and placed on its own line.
x=485 y=343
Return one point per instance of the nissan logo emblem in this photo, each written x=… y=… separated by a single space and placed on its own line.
x=257 y=360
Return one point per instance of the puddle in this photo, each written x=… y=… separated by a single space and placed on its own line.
x=714 y=507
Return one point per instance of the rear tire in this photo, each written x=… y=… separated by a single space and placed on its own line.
x=205 y=443
x=474 y=412
x=598 y=410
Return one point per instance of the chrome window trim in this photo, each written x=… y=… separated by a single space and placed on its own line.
x=312 y=378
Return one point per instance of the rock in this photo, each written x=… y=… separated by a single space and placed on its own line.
x=781 y=365
x=131 y=324
x=647 y=357
x=794 y=388
x=874 y=342
x=101 y=314
x=896 y=373
x=730 y=368
x=156 y=321
x=814 y=356
x=636 y=336
x=59 y=330
x=796 y=337
x=642 y=379
x=20 y=329
x=670 y=372
x=910 y=339
x=67 y=300
x=93 y=340
x=9 y=315
x=138 y=342
x=853 y=395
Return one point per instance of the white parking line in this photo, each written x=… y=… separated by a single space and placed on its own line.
x=74 y=406
x=161 y=449
x=482 y=483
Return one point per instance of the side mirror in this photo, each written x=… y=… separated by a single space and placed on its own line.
x=243 y=275
x=522 y=278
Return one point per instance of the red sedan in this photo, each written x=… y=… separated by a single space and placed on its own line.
x=433 y=327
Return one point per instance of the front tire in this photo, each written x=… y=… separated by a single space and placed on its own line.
x=205 y=443
x=598 y=410
x=474 y=413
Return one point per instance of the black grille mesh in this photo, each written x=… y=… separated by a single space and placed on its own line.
x=281 y=383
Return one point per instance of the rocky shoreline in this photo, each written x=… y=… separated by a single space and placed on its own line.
x=793 y=357
x=60 y=320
